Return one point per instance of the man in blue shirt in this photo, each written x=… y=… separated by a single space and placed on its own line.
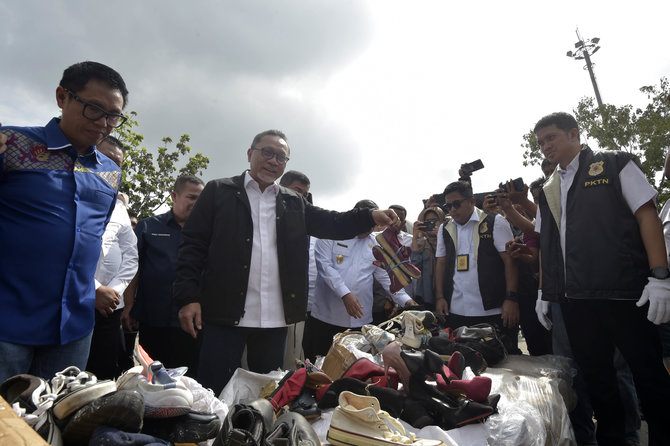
x=57 y=193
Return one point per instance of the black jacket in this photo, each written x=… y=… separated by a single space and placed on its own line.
x=217 y=241
x=605 y=255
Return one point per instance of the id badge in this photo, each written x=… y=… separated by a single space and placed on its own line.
x=462 y=263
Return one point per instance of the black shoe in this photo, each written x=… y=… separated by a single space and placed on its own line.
x=444 y=346
x=32 y=394
x=267 y=411
x=292 y=429
x=243 y=426
x=306 y=405
x=192 y=427
x=122 y=409
x=424 y=363
x=330 y=398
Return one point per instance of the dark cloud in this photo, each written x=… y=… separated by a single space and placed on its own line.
x=218 y=70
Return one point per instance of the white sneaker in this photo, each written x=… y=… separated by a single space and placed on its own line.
x=358 y=420
x=75 y=389
x=161 y=400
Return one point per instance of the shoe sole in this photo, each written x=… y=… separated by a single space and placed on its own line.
x=81 y=397
x=397 y=271
x=183 y=431
x=122 y=410
x=340 y=437
x=390 y=252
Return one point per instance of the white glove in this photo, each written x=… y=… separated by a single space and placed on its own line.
x=542 y=310
x=657 y=293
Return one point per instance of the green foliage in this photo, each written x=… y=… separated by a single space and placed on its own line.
x=644 y=132
x=148 y=177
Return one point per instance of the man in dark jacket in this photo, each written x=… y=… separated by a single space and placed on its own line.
x=603 y=258
x=242 y=266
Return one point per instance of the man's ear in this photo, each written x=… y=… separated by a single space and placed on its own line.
x=173 y=195
x=574 y=134
x=249 y=151
x=61 y=96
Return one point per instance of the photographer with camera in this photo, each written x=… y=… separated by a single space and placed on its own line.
x=424 y=244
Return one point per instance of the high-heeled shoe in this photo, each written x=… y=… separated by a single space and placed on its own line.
x=448 y=412
x=426 y=363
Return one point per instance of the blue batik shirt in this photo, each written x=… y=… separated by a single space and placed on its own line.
x=54 y=205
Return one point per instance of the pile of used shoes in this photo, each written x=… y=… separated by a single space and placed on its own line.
x=146 y=405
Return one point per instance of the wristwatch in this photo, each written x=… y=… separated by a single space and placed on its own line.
x=660 y=272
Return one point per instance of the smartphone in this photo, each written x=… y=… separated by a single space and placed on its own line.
x=473 y=166
x=427 y=225
x=518 y=184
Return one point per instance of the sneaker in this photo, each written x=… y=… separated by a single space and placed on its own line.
x=75 y=389
x=122 y=410
x=31 y=398
x=358 y=420
x=161 y=400
x=192 y=427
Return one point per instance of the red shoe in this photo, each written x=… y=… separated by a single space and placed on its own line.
x=399 y=279
x=399 y=254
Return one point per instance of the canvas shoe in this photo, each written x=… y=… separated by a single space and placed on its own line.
x=388 y=240
x=122 y=409
x=31 y=398
x=413 y=332
x=161 y=400
x=358 y=420
x=75 y=389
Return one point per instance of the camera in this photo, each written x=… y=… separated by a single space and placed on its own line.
x=427 y=225
x=468 y=168
x=517 y=185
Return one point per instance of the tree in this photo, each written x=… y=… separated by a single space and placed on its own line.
x=644 y=132
x=148 y=180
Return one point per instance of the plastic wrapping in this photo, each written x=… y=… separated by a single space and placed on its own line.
x=531 y=410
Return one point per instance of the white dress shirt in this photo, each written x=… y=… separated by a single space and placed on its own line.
x=264 y=307
x=117 y=264
x=466 y=299
x=345 y=266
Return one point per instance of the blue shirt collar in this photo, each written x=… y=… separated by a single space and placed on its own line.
x=56 y=139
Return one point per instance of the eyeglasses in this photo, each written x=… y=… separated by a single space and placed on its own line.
x=93 y=112
x=455 y=204
x=268 y=154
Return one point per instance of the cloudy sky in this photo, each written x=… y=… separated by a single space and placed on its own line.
x=380 y=99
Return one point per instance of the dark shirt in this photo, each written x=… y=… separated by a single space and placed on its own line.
x=158 y=240
x=54 y=205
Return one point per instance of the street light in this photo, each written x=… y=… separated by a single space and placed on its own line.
x=584 y=49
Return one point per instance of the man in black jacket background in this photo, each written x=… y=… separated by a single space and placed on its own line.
x=242 y=266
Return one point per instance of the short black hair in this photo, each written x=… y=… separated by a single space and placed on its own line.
x=398 y=207
x=182 y=180
x=75 y=77
x=366 y=204
x=546 y=162
x=271 y=132
x=462 y=187
x=537 y=183
x=116 y=143
x=562 y=120
x=293 y=175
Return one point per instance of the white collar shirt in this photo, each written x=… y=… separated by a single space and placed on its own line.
x=466 y=300
x=118 y=259
x=343 y=267
x=263 y=307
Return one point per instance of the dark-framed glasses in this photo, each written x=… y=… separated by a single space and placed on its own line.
x=455 y=204
x=93 y=112
x=268 y=154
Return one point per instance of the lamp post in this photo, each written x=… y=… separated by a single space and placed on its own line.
x=584 y=49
